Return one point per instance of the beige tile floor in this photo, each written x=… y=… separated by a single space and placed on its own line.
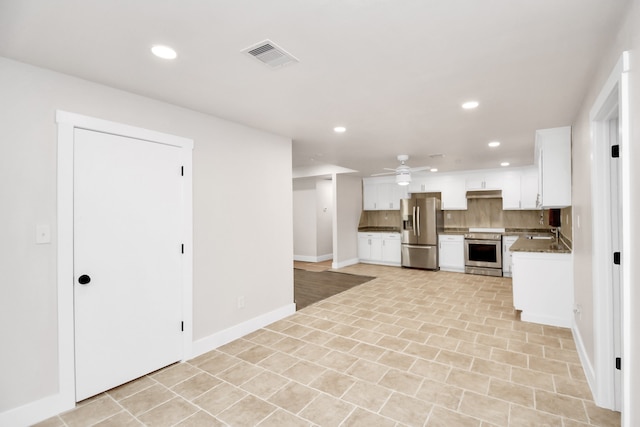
x=410 y=348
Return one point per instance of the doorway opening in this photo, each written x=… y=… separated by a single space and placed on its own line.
x=609 y=136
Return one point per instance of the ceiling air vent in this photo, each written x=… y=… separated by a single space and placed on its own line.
x=270 y=54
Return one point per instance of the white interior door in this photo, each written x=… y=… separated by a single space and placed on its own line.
x=127 y=241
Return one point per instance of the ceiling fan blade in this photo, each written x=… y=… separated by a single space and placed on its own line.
x=385 y=173
x=420 y=168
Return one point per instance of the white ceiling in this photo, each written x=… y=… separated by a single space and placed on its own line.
x=395 y=73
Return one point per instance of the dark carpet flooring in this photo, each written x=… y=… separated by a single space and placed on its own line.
x=311 y=286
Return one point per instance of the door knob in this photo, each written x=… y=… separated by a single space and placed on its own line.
x=84 y=279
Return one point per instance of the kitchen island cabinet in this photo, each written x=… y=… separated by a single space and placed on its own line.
x=379 y=248
x=543 y=287
x=507 y=255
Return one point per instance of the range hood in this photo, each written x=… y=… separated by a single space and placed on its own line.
x=484 y=194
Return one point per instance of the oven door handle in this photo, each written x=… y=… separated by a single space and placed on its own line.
x=481 y=242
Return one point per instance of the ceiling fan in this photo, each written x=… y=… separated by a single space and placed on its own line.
x=402 y=172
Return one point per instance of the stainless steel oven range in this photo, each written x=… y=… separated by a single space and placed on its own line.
x=483 y=253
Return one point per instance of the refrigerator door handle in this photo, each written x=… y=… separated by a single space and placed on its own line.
x=414 y=221
x=418 y=225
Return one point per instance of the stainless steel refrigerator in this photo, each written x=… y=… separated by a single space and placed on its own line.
x=422 y=221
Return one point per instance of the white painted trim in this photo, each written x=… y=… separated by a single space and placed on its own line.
x=624 y=122
x=91 y=123
x=614 y=93
x=587 y=367
x=346 y=263
x=545 y=319
x=309 y=258
x=34 y=412
x=67 y=122
x=225 y=336
x=458 y=270
x=388 y=264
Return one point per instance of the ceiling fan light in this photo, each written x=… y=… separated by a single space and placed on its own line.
x=403 y=178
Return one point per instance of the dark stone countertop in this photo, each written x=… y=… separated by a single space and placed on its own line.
x=378 y=229
x=540 y=245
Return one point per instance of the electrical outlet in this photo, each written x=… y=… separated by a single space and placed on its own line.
x=240 y=302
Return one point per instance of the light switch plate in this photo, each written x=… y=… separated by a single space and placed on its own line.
x=43 y=234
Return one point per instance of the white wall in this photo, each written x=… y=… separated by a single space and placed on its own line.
x=348 y=201
x=628 y=38
x=312 y=219
x=324 y=215
x=304 y=219
x=223 y=245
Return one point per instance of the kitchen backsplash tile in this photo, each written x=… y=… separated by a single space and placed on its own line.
x=380 y=219
x=488 y=213
x=485 y=213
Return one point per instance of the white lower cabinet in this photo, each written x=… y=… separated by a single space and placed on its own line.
x=543 y=287
x=391 y=250
x=379 y=248
x=451 y=256
x=507 y=256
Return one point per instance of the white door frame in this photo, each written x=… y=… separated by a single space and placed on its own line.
x=67 y=122
x=614 y=94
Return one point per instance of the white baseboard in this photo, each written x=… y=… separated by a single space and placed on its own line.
x=346 y=263
x=587 y=367
x=47 y=407
x=309 y=258
x=389 y=264
x=225 y=336
x=36 y=411
x=545 y=319
x=452 y=269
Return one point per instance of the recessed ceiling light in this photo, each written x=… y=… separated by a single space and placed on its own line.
x=434 y=170
x=339 y=129
x=470 y=105
x=504 y=164
x=164 y=52
x=493 y=144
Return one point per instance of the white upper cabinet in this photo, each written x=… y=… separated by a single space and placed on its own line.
x=382 y=194
x=453 y=192
x=545 y=185
x=484 y=181
x=511 y=190
x=520 y=188
x=553 y=158
x=529 y=188
x=369 y=196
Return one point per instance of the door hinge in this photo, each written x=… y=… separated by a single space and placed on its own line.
x=181 y=170
x=618 y=363
x=616 y=258
x=615 y=151
x=182 y=326
x=182 y=248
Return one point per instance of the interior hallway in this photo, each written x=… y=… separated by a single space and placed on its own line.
x=409 y=348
